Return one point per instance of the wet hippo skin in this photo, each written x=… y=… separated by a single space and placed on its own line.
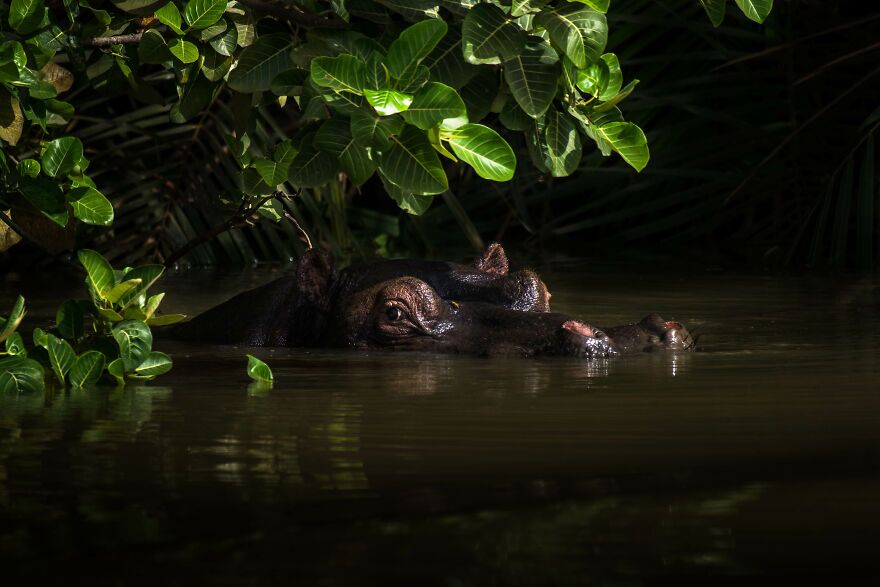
x=482 y=309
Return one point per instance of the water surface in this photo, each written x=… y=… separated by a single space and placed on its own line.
x=754 y=459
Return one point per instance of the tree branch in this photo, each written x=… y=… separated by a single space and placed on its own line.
x=118 y=40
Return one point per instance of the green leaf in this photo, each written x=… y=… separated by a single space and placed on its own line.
x=373 y=131
x=21 y=375
x=628 y=140
x=756 y=10
x=600 y=5
x=69 y=320
x=29 y=167
x=90 y=206
x=312 y=167
x=195 y=97
x=226 y=42
x=594 y=79
x=87 y=369
x=715 y=9
x=413 y=45
x=169 y=15
x=562 y=144
x=116 y=368
x=147 y=274
x=408 y=202
x=15 y=345
x=135 y=342
x=154 y=364
x=387 y=102
x=165 y=319
x=513 y=117
x=153 y=304
x=100 y=274
x=412 y=164
x=16 y=315
x=272 y=172
x=46 y=196
x=120 y=289
x=153 y=48
x=532 y=78
x=290 y=82
x=579 y=32
x=26 y=16
x=258 y=370
x=200 y=14
x=433 y=104
x=489 y=36
x=40 y=337
x=259 y=63
x=335 y=137
x=446 y=62
x=483 y=149
x=60 y=156
x=185 y=51
x=61 y=356
x=617 y=98
x=615 y=77
x=109 y=315
x=344 y=73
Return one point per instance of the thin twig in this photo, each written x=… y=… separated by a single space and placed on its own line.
x=288 y=213
x=118 y=40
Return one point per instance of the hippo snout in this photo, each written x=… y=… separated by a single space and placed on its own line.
x=582 y=340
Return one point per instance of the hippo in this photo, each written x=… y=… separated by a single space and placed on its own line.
x=479 y=309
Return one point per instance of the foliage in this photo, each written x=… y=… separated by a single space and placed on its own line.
x=109 y=332
x=258 y=370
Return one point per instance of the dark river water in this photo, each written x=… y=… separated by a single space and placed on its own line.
x=754 y=460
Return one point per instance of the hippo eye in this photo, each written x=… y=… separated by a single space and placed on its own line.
x=394 y=314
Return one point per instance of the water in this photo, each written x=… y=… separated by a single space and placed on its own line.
x=751 y=461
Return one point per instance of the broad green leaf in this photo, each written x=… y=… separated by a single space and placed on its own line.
x=46 y=196
x=715 y=9
x=412 y=164
x=214 y=66
x=154 y=364
x=153 y=48
x=116 y=368
x=252 y=184
x=483 y=149
x=87 y=368
x=387 y=102
x=16 y=315
x=147 y=274
x=562 y=144
x=213 y=31
x=434 y=138
x=14 y=345
x=135 y=342
x=628 y=140
x=312 y=167
x=100 y=273
x=245 y=27
x=61 y=356
x=532 y=78
x=615 y=77
x=371 y=131
x=594 y=78
x=29 y=167
x=60 y=156
x=600 y=5
x=756 y=10
x=344 y=73
x=433 y=104
x=272 y=172
x=259 y=63
x=413 y=45
x=153 y=304
x=185 y=51
x=579 y=32
x=120 y=289
x=110 y=315
x=135 y=313
x=490 y=36
x=25 y=16
x=226 y=42
x=41 y=338
x=335 y=137
x=165 y=319
x=290 y=82
x=446 y=62
x=90 y=206
x=169 y=15
x=617 y=98
x=69 y=320
x=258 y=370
x=200 y=14
x=21 y=375
x=513 y=117
x=409 y=203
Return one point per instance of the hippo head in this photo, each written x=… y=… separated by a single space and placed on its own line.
x=408 y=313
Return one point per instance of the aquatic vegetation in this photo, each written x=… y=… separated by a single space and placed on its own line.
x=258 y=370
x=106 y=335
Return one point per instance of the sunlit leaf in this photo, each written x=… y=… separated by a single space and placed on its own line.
x=100 y=273
x=387 y=102
x=154 y=364
x=16 y=315
x=344 y=73
x=61 y=356
x=21 y=375
x=412 y=164
x=490 y=36
x=169 y=15
x=483 y=149
x=87 y=368
x=258 y=370
x=562 y=144
x=628 y=140
x=259 y=63
x=60 y=156
x=412 y=45
x=579 y=32
x=756 y=10
x=135 y=342
x=433 y=104
x=90 y=206
x=532 y=78
x=200 y=14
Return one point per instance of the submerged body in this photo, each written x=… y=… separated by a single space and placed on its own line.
x=480 y=309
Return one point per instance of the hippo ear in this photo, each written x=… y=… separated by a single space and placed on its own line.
x=493 y=260
x=314 y=276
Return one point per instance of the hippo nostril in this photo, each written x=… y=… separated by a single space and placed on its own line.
x=580 y=328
